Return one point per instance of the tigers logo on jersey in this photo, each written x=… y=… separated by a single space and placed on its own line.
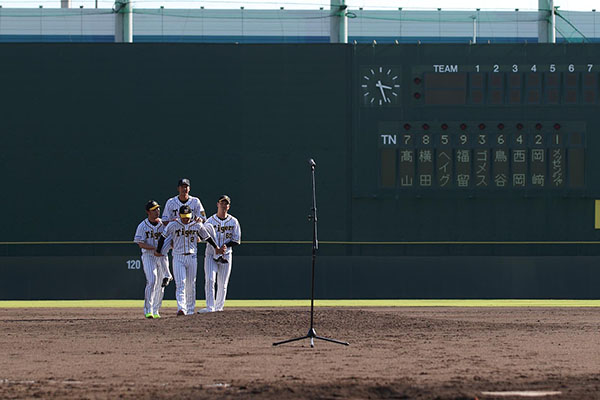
x=187 y=233
x=152 y=235
x=222 y=229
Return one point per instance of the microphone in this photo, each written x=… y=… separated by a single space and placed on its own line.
x=312 y=162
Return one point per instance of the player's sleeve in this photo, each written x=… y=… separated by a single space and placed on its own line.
x=139 y=234
x=203 y=232
x=165 y=239
x=201 y=213
x=236 y=235
x=210 y=230
x=166 y=243
x=237 y=232
x=166 y=212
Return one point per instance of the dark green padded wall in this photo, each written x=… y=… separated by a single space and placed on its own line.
x=90 y=132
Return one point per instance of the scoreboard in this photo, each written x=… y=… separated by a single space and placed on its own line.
x=476 y=120
x=481 y=155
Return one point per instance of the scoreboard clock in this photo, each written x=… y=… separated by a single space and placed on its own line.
x=380 y=86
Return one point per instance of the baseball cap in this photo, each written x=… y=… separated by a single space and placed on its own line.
x=225 y=197
x=152 y=205
x=185 y=212
x=183 y=181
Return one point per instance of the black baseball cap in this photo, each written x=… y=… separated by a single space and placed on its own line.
x=183 y=181
x=185 y=212
x=152 y=205
x=225 y=197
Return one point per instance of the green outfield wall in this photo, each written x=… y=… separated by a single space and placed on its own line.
x=443 y=171
x=288 y=277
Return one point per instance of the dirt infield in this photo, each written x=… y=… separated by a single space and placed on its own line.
x=394 y=353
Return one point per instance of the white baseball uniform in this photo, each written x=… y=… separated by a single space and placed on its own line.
x=185 y=238
x=171 y=211
x=155 y=268
x=223 y=231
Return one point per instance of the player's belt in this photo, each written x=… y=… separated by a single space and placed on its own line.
x=187 y=254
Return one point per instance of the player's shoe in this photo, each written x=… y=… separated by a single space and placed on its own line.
x=166 y=281
x=149 y=315
x=156 y=316
x=180 y=312
x=205 y=310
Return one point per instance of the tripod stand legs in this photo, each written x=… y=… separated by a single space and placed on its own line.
x=311 y=332
x=312 y=335
x=290 y=340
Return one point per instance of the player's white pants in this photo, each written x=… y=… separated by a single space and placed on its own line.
x=184 y=269
x=219 y=272
x=155 y=269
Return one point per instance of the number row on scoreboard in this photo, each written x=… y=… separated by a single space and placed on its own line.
x=554 y=139
x=534 y=68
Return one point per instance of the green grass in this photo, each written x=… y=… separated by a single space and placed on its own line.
x=306 y=303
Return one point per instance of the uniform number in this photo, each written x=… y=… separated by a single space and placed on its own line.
x=134 y=264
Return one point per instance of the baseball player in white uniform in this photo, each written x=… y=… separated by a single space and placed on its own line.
x=155 y=268
x=173 y=205
x=226 y=232
x=183 y=198
x=184 y=233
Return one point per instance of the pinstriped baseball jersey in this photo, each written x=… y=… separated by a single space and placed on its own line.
x=226 y=230
x=184 y=237
x=148 y=234
x=171 y=211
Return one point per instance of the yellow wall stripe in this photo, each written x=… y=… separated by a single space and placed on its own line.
x=597 y=216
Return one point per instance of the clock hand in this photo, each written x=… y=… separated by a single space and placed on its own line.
x=380 y=86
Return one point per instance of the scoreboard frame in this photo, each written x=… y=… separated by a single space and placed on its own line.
x=536 y=103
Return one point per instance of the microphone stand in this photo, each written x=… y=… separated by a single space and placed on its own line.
x=312 y=334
